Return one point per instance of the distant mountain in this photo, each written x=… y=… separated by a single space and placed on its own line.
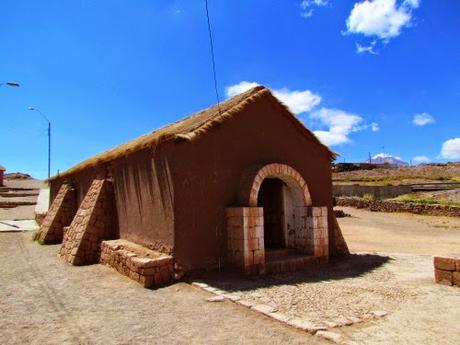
x=384 y=158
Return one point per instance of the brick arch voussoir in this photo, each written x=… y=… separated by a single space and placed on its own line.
x=253 y=178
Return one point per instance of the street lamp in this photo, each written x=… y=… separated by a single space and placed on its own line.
x=11 y=83
x=49 y=136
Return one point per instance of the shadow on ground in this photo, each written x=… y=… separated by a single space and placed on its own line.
x=354 y=265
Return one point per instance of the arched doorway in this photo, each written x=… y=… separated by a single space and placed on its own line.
x=272 y=199
x=275 y=217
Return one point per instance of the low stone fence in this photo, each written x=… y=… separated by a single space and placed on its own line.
x=393 y=206
x=376 y=191
x=148 y=267
x=447 y=270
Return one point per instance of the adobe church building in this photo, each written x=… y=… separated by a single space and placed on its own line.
x=242 y=184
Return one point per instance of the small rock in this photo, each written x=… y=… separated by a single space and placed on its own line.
x=232 y=297
x=247 y=304
x=279 y=316
x=200 y=285
x=355 y=319
x=379 y=313
x=305 y=325
x=264 y=309
x=342 y=321
x=331 y=324
x=332 y=336
x=216 y=299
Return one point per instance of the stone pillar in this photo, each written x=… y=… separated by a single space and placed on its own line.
x=59 y=215
x=320 y=232
x=245 y=239
x=91 y=225
x=303 y=227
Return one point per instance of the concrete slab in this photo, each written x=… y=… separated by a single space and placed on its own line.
x=43 y=201
x=18 y=225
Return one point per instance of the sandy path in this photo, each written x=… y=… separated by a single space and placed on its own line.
x=46 y=301
x=400 y=232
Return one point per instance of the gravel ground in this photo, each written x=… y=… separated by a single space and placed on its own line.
x=46 y=301
x=351 y=290
x=346 y=297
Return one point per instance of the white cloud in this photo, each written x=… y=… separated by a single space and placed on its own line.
x=297 y=101
x=385 y=155
x=421 y=159
x=383 y=19
x=308 y=6
x=451 y=149
x=340 y=124
x=360 y=49
x=241 y=87
x=423 y=119
x=412 y=3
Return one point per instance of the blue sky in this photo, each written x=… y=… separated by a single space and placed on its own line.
x=381 y=76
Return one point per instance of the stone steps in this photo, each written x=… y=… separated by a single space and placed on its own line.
x=12 y=204
x=17 y=194
x=291 y=263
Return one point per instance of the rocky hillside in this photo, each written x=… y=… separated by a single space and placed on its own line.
x=432 y=172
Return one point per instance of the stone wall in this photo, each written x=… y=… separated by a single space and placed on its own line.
x=320 y=232
x=447 y=270
x=393 y=206
x=147 y=267
x=59 y=215
x=245 y=238
x=376 y=191
x=310 y=232
x=91 y=225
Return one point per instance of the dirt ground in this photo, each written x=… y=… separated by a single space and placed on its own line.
x=367 y=231
x=46 y=301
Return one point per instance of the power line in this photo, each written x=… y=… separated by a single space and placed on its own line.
x=211 y=45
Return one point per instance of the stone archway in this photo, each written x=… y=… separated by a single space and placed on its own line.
x=307 y=228
x=254 y=176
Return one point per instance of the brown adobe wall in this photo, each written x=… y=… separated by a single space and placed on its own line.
x=207 y=174
x=1 y=177
x=143 y=197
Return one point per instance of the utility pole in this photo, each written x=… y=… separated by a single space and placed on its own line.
x=49 y=137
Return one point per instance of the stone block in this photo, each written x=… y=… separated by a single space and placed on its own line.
x=259 y=256
x=317 y=212
x=443 y=263
x=456 y=278
x=443 y=277
x=255 y=212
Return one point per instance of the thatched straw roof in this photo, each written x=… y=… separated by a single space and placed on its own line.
x=192 y=127
x=2 y=168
